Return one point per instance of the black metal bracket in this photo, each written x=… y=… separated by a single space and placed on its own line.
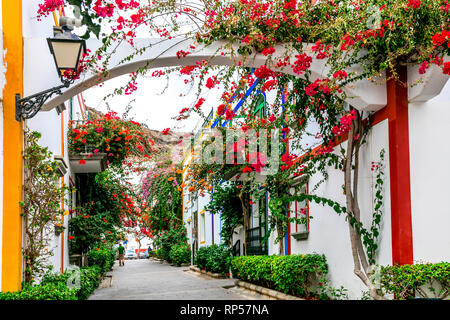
x=26 y=108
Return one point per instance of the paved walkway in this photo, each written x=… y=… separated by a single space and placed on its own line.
x=151 y=280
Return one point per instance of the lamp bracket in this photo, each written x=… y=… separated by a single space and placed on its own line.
x=26 y=108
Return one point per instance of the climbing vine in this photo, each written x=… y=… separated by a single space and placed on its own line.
x=226 y=203
x=42 y=210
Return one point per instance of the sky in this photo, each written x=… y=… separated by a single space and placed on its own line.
x=156 y=101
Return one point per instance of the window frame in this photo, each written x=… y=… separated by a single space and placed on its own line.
x=294 y=226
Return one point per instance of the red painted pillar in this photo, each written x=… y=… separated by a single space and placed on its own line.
x=400 y=184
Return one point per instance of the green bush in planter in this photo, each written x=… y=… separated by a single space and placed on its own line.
x=293 y=274
x=201 y=257
x=48 y=291
x=214 y=258
x=102 y=256
x=430 y=280
x=180 y=254
x=54 y=286
x=90 y=278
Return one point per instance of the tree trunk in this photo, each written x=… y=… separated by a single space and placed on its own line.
x=351 y=194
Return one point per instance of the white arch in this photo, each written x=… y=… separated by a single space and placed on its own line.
x=364 y=94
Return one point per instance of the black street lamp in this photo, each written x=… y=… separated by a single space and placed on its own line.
x=66 y=49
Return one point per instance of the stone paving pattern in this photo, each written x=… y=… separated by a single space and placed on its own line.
x=152 y=280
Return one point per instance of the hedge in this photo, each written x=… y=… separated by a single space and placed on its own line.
x=297 y=275
x=55 y=286
x=180 y=254
x=214 y=258
x=102 y=256
x=430 y=280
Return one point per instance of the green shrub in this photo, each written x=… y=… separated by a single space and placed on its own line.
x=201 y=257
x=174 y=235
x=431 y=280
x=214 y=258
x=293 y=274
x=157 y=254
x=55 y=286
x=48 y=291
x=52 y=287
x=90 y=278
x=180 y=254
x=102 y=256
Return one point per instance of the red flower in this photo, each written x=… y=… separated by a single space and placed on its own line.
x=182 y=54
x=446 y=68
x=264 y=72
x=302 y=63
x=210 y=82
x=414 y=3
x=247 y=169
x=341 y=74
x=229 y=114
x=439 y=38
x=268 y=51
x=199 y=103
x=221 y=110
x=82 y=161
x=165 y=131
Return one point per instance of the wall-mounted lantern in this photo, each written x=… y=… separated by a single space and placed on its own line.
x=67 y=50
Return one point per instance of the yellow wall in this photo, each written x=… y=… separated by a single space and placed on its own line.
x=13 y=145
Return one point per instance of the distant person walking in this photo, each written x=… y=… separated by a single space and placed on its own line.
x=121 y=250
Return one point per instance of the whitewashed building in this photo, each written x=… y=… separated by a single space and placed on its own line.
x=415 y=220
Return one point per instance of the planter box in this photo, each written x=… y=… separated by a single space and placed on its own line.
x=210 y=274
x=265 y=291
x=94 y=163
x=302 y=235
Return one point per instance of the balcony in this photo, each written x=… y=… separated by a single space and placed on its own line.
x=87 y=162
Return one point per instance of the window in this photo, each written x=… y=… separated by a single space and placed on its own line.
x=260 y=110
x=202 y=227
x=299 y=210
x=257 y=232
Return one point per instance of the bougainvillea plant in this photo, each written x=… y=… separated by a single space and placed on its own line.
x=110 y=205
x=161 y=188
x=118 y=139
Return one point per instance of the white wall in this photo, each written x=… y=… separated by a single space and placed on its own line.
x=430 y=177
x=329 y=233
x=40 y=74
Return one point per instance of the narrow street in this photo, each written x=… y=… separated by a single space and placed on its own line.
x=152 y=280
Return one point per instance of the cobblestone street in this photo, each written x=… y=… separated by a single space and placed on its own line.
x=152 y=280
